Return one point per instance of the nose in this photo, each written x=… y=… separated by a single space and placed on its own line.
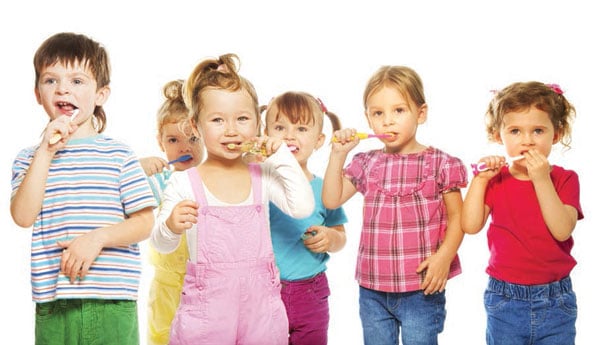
x=388 y=119
x=62 y=87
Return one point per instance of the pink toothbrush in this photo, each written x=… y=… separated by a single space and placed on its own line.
x=476 y=168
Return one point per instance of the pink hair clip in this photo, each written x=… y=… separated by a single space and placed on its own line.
x=556 y=88
x=323 y=107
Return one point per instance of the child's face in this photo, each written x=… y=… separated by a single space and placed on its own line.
x=302 y=139
x=61 y=89
x=226 y=118
x=388 y=112
x=175 y=142
x=525 y=130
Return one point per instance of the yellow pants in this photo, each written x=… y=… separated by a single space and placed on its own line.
x=165 y=291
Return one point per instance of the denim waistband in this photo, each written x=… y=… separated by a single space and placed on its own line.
x=530 y=292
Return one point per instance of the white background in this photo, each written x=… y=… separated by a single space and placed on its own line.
x=461 y=49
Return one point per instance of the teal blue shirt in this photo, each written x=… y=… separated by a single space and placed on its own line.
x=294 y=260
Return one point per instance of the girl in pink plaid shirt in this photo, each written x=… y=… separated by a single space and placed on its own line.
x=411 y=215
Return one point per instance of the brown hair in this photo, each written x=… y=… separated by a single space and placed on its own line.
x=403 y=78
x=70 y=48
x=301 y=107
x=523 y=95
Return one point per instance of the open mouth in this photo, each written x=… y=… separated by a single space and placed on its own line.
x=66 y=108
x=293 y=148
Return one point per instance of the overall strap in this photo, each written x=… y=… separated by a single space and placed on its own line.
x=197 y=186
x=256 y=177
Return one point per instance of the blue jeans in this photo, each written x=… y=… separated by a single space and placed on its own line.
x=420 y=316
x=530 y=314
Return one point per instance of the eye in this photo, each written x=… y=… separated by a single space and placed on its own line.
x=217 y=120
x=172 y=140
x=49 y=81
x=302 y=129
x=243 y=118
x=514 y=131
x=77 y=81
x=376 y=113
x=399 y=110
x=538 y=131
x=194 y=139
x=279 y=128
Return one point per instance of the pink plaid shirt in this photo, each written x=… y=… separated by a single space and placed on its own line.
x=404 y=216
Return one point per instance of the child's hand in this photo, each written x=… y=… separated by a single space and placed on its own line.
x=153 y=165
x=61 y=125
x=492 y=164
x=78 y=255
x=183 y=216
x=345 y=140
x=435 y=271
x=320 y=239
x=538 y=166
x=268 y=146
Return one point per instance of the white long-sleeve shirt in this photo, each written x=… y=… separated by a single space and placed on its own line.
x=283 y=183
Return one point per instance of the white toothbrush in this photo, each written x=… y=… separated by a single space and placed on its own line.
x=479 y=167
x=57 y=136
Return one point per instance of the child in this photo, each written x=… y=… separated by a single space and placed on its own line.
x=534 y=207
x=87 y=199
x=231 y=292
x=411 y=226
x=176 y=140
x=297 y=119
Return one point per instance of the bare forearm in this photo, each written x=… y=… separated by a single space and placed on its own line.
x=132 y=230
x=338 y=238
x=26 y=205
x=473 y=210
x=559 y=218
x=333 y=181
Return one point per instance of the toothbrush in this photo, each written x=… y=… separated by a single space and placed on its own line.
x=57 y=136
x=366 y=136
x=180 y=159
x=476 y=168
x=249 y=147
x=308 y=234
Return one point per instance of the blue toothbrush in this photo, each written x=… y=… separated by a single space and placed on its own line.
x=180 y=159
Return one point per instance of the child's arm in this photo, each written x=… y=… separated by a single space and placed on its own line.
x=559 y=218
x=336 y=188
x=326 y=239
x=438 y=265
x=153 y=165
x=288 y=188
x=80 y=252
x=26 y=204
x=474 y=210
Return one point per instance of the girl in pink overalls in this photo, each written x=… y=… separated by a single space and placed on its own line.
x=231 y=293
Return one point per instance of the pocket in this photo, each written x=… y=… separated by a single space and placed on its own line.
x=494 y=301
x=568 y=303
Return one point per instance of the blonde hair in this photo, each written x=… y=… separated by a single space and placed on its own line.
x=220 y=73
x=301 y=107
x=173 y=109
x=523 y=95
x=403 y=78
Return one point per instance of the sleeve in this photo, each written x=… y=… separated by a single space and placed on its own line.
x=135 y=190
x=19 y=168
x=162 y=238
x=335 y=217
x=568 y=191
x=286 y=184
x=454 y=174
x=355 y=171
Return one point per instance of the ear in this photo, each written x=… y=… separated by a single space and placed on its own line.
x=160 y=144
x=320 y=141
x=422 y=113
x=102 y=95
x=557 y=136
x=37 y=95
x=368 y=119
x=497 y=138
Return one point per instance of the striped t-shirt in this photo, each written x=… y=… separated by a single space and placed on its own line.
x=92 y=183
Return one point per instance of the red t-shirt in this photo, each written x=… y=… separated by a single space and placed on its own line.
x=522 y=250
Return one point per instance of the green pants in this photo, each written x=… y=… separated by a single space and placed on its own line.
x=86 y=322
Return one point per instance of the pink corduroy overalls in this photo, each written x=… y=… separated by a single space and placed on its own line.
x=232 y=294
